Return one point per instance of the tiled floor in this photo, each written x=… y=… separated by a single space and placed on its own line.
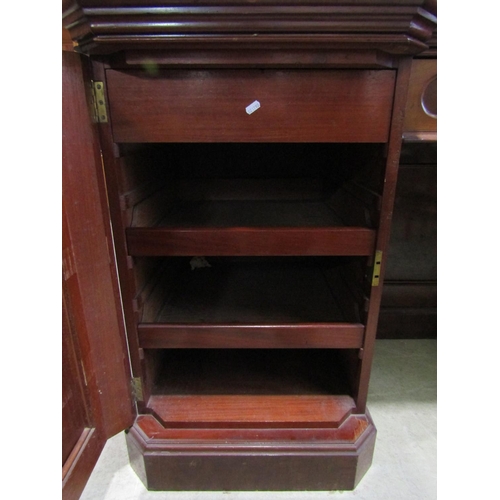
x=402 y=402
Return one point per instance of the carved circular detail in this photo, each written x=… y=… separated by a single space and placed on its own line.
x=429 y=98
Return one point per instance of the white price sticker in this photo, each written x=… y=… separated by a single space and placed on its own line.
x=252 y=107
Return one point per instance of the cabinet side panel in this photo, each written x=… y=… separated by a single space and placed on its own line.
x=387 y=207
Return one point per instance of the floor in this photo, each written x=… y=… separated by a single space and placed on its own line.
x=402 y=402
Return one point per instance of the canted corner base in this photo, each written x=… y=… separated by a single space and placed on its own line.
x=251 y=459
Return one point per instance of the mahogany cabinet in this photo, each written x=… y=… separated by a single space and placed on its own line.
x=232 y=203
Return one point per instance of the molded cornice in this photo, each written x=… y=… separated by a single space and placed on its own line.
x=390 y=26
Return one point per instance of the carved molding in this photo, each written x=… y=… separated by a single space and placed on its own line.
x=391 y=26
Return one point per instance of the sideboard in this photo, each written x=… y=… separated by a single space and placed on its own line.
x=229 y=177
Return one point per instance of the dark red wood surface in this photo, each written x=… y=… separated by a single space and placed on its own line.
x=420 y=106
x=210 y=106
x=74 y=400
x=111 y=175
x=270 y=417
x=244 y=241
x=82 y=425
x=347 y=431
x=251 y=411
x=391 y=26
x=93 y=314
x=277 y=459
x=87 y=216
x=284 y=336
x=383 y=235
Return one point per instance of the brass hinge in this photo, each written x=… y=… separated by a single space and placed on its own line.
x=137 y=392
x=100 y=114
x=376 y=268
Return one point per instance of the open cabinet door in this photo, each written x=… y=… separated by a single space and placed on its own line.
x=97 y=401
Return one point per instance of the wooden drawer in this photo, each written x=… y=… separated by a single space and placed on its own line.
x=212 y=106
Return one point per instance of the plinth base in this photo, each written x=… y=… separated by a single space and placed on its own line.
x=249 y=459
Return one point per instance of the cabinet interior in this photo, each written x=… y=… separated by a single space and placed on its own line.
x=250 y=269
x=255 y=185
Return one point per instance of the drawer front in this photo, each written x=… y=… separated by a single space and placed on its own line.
x=251 y=105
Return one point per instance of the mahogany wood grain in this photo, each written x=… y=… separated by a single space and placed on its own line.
x=91 y=274
x=223 y=394
x=251 y=411
x=209 y=106
x=75 y=416
x=251 y=58
x=244 y=241
x=80 y=463
x=67 y=42
x=393 y=27
x=348 y=431
x=383 y=235
x=312 y=459
x=389 y=43
x=285 y=336
x=83 y=431
x=111 y=172
x=417 y=120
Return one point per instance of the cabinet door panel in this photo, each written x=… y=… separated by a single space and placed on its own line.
x=96 y=398
x=74 y=403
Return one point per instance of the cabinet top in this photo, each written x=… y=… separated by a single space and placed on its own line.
x=396 y=27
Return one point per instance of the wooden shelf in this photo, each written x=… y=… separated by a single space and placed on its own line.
x=245 y=227
x=317 y=335
x=261 y=303
x=251 y=411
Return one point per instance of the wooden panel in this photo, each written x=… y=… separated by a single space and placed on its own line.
x=383 y=234
x=88 y=267
x=410 y=294
x=407 y=323
x=252 y=459
x=286 y=336
x=348 y=431
x=67 y=43
x=250 y=241
x=74 y=404
x=408 y=310
x=409 y=301
x=82 y=433
x=395 y=26
x=421 y=105
x=413 y=243
x=249 y=411
x=210 y=106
